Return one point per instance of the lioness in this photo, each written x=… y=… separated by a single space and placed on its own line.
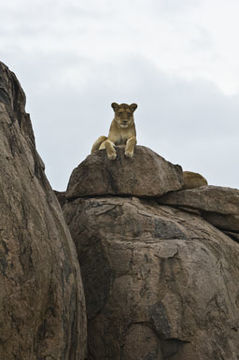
x=193 y=180
x=122 y=132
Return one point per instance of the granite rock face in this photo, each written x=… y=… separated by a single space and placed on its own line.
x=160 y=283
x=42 y=308
x=218 y=205
x=145 y=175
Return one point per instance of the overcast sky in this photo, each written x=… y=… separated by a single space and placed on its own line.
x=177 y=59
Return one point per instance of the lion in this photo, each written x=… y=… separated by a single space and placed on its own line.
x=193 y=180
x=122 y=132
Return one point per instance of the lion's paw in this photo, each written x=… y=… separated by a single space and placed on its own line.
x=129 y=154
x=112 y=155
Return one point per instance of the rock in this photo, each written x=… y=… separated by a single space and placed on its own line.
x=223 y=222
x=145 y=175
x=233 y=235
x=160 y=283
x=61 y=196
x=218 y=205
x=42 y=309
x=193 y=180
x=221 y=200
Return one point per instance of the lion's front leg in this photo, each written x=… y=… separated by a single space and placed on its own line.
x=110 y=149
x=130 y=145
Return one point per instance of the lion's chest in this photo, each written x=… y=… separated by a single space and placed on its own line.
x=119 y=136
x=121 y=139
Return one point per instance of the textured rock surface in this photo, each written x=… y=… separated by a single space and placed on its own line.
x=233 y=235
x=160 y=283
x=61 y=196
x=146 y=174
x=42 y=311
x=218 y=205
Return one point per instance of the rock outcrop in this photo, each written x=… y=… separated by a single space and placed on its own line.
x=145 y=175
x=218 y=205
x=160 y=282
x=42 y=309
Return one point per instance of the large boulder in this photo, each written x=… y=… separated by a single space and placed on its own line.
x=145 y=175
x=218 y=205
x=42 y=308
x=160 y=283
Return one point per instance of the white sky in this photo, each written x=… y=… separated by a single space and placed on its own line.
x=178 y=59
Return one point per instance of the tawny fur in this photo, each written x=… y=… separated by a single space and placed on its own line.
x=122 y=132
x=193 y=180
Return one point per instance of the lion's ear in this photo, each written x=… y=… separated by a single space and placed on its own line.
x=115 y=106
x=133 y=107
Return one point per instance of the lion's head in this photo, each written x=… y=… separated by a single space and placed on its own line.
x=124 y=114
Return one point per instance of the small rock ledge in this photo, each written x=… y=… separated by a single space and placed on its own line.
x=145 y=175
x=217 y=205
